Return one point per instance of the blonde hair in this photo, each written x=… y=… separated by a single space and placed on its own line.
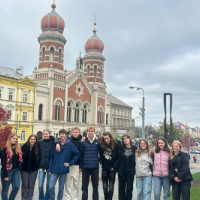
x=172 y=154
x=91 y=128
x=9 y=145
x=138 y=152
x=76 y=128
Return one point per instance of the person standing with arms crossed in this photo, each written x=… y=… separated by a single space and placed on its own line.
x=89 y=163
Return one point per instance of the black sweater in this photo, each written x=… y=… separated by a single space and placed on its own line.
x=45 y=149
x=108 y=157
x=77 y=143
x=30 y=163
x=15 y=161
x=120 y=161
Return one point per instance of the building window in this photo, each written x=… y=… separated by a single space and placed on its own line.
x=51 y=58
x=58 y=110
x=25 y=97
x=69 y=111
x=24 y=116
x=60 y=56
x=84 y=115
x=95 y=70
x=10 y=95
x=106 y=118
x=43 y=54
x=76 y=113
x=100 y=116
x=101 y=72
x=40 y=111
x=88 y=70
x=23 y=136
x=9 y=115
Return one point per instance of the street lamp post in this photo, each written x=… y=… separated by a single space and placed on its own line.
x=142 y=113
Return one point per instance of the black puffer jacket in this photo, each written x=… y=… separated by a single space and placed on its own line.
x=30 y=163
x=77 y=143
x=181 y=163
x=45 y=150
x=120 y=161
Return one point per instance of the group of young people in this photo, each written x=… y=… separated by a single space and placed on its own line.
x=62 y=160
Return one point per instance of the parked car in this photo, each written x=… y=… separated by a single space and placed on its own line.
x=194 y=151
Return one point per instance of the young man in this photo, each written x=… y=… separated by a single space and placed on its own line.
x=45 y=146
x=73 y=175
x=89 y=163
x=60 y=162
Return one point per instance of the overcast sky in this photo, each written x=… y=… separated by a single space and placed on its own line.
x=150 y=44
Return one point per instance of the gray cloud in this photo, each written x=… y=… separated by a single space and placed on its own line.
x=150 y=44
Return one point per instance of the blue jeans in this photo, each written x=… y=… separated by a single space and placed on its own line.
x=14 y=180
x=42 y=175
x=144 y=186
x=160 y=182
x=52 y=183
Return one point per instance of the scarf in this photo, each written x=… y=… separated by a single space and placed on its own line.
x=9 y=159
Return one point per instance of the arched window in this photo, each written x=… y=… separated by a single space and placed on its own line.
x=43 y=53
x=95 y=70
x=76 y=113
x=60 y=56
x=58 y=110
x=51 y=58
x=100 y=116
x=106 y=118
x=88 y=70
x=69 y=112
x=40 y=111
x=84 y=114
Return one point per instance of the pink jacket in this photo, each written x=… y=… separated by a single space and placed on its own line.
x=161 y=162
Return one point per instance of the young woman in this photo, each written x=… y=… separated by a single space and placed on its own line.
x=108 y=157
x=179 y=172
x=45 y=146
x=126 y=168
x=30 y=165
x=143 y=171
x=11 y=159
x=161 y=169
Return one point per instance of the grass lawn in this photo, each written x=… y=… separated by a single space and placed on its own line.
x=195 y=188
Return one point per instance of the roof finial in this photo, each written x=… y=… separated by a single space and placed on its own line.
x=95 y=30
x=53 y=5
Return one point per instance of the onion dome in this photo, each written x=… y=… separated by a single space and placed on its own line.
x=94 y=43
x=52 y=21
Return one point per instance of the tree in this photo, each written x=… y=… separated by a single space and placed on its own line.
x=5 y=129
x=176 y=133
x=188 y=141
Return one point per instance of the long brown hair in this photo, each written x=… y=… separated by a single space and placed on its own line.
x=112 y=141
x=166 y=148
x=138 y=152
x=9 y=145
x=172 y=154
x=127 y=136
x=36 y=146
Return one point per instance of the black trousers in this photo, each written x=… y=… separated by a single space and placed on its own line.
x=94 y=174
x=108 y=180
x=126 y=185
x=181 y=189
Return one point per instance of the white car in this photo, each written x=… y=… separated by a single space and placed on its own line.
x=194 y=151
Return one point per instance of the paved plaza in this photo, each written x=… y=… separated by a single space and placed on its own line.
x=195 y=167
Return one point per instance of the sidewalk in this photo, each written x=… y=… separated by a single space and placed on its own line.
x=101 y=196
